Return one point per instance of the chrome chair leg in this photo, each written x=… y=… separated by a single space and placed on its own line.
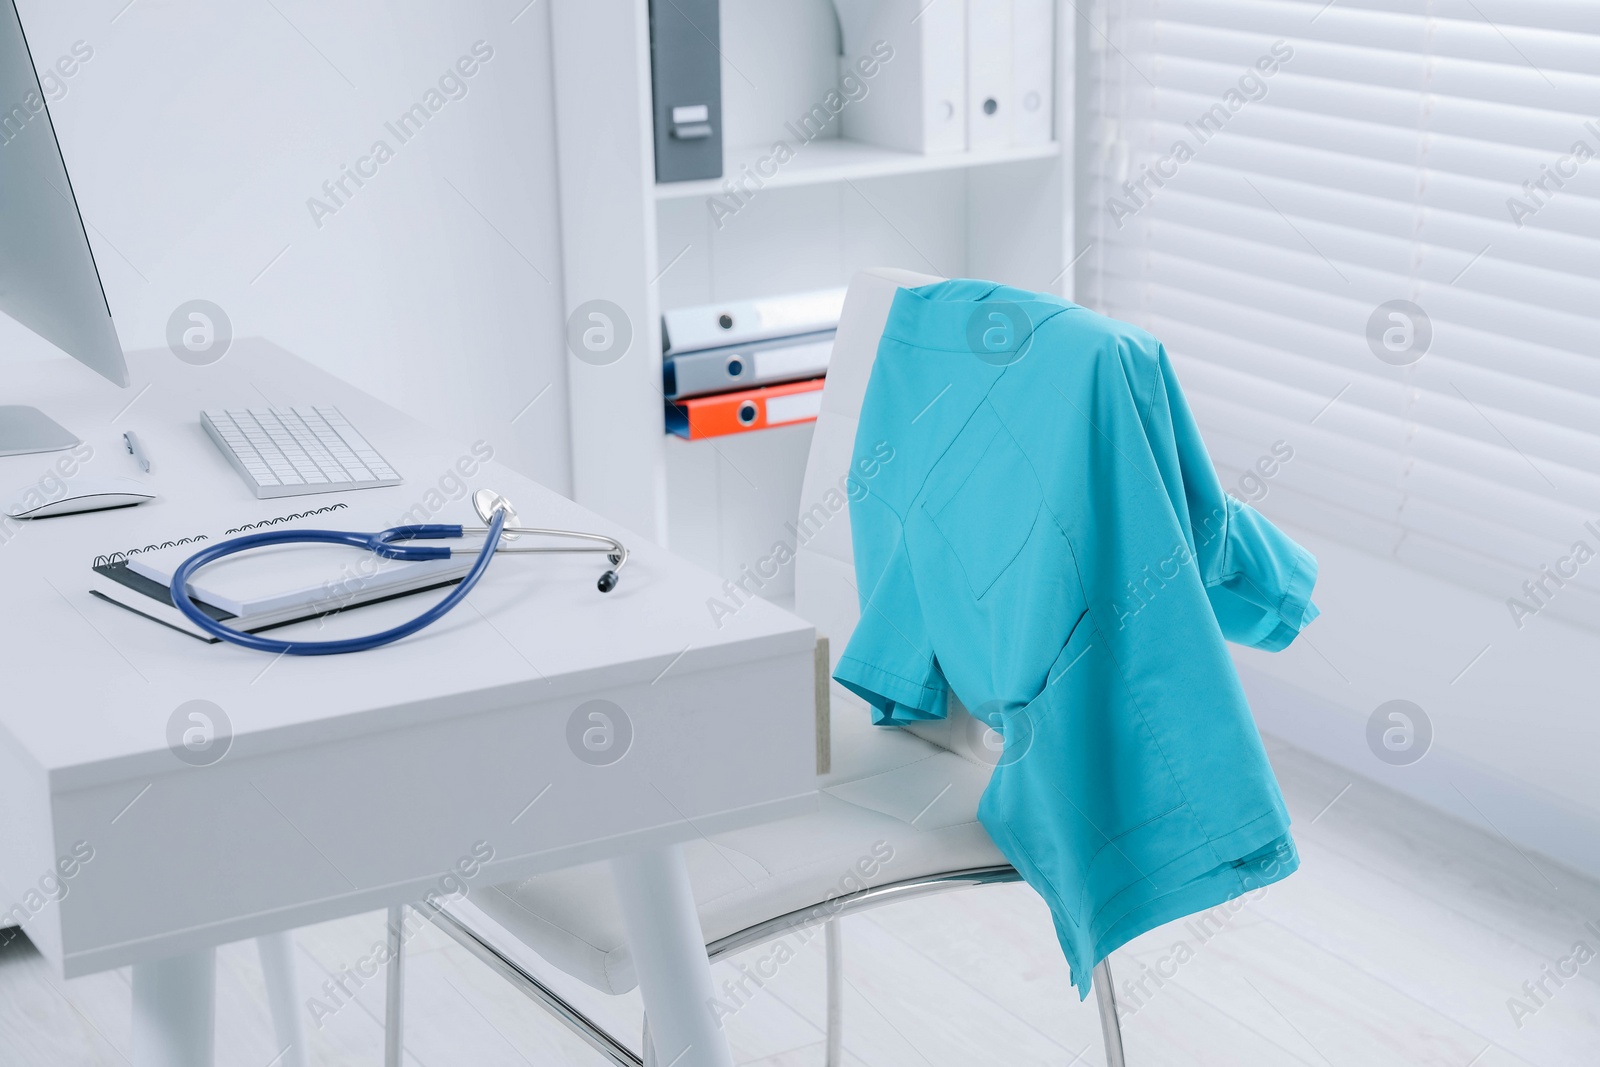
x=834 y=943
x=567 y=1014
x=762 y=933
x=394 y=993
x=1110 y=1025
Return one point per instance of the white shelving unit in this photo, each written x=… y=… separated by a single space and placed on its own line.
x=836 y=207
x=841 y=160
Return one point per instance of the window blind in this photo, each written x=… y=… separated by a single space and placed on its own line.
x=1368 y=232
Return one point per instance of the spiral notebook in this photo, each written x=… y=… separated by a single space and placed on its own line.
x=265 y=588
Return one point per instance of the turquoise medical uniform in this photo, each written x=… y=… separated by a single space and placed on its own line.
x=1052 y=544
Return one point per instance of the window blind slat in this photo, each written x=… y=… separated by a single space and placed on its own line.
x=1481 y=332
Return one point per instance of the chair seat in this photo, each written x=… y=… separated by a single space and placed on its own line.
x=916 y=819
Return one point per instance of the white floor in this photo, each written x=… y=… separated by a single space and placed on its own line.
x=1400 y=941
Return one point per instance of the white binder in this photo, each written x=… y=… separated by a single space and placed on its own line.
x=1033 y=38
x=990 y=104
x=739 y=322
x=915 y=100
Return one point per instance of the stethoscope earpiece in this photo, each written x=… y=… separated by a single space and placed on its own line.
x=489 y=504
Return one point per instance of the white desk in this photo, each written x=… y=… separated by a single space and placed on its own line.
x=356 y=782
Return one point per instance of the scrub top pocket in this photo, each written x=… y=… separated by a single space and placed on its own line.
x=984 y=499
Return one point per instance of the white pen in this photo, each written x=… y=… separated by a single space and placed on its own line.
x=135 y=451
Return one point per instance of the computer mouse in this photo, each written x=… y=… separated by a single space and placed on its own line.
x=72 y=495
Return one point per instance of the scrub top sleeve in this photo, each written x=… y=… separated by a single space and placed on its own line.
x=1258 y=580
x=889 y=661
x=1263 y=597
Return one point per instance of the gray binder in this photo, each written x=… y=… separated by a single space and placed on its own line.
x=686 y=78
x=719 y=370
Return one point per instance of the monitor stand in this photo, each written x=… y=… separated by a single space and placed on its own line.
x=24 y=430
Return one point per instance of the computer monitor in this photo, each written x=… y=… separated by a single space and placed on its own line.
x=48 y=278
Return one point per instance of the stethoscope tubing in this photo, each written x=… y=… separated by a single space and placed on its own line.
x=382 y=543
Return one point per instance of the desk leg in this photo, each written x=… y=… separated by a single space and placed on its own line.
x=277 y=969
x=174 y=1011
x=669 y=953
x=394 y=993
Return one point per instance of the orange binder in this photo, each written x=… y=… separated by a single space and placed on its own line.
x=748 y=409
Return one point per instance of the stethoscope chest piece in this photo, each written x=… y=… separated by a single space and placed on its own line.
x=486 y=502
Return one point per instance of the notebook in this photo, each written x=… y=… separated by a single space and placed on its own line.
x=265 y=587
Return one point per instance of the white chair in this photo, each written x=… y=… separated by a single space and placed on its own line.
x=915 y=793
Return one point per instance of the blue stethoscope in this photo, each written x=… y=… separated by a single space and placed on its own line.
x=501 y=528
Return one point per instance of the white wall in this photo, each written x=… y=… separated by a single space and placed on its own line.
x=197 y=132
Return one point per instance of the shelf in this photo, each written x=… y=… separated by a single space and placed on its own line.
x=835 y=160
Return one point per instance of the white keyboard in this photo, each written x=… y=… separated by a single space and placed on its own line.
x=297 y=451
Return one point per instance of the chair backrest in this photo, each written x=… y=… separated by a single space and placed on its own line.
x=825 y=572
